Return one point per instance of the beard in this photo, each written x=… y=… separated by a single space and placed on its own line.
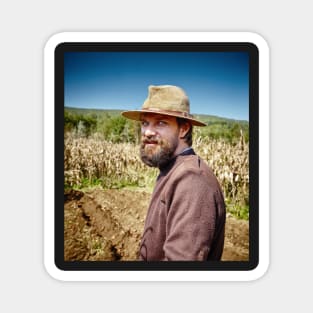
x=160 y=153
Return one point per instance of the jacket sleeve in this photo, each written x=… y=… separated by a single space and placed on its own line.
x=193 y=206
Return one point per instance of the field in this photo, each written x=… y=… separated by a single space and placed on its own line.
x=106 y=225
x=107 y=188
x=95 y=161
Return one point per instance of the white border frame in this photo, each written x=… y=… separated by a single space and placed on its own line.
x=124 y=275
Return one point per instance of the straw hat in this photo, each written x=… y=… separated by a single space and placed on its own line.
x=165 y=100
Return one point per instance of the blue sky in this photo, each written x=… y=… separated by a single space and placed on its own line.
x=217 y=83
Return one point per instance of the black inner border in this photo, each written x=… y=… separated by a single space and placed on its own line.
x=253 y=52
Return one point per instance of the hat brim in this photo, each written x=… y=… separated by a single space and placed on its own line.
x=136 y=115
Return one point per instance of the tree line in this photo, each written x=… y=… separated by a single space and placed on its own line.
x=112 y=126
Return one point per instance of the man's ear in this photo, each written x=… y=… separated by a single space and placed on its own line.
x=183 y=130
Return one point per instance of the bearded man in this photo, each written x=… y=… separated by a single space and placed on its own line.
x=186 y=216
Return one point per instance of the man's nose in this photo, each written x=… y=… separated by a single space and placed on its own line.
x=149 y=132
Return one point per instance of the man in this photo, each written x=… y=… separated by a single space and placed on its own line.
x=186 y=215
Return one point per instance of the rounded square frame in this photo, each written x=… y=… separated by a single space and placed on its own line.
x=69 y=273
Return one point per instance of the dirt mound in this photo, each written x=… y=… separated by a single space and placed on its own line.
x=106 y=225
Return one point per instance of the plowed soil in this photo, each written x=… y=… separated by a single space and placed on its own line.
x=106 y=225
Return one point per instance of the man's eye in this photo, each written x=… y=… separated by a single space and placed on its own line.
x=161 y=123
x=144 y=123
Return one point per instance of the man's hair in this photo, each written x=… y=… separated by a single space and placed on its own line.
x=188 y=136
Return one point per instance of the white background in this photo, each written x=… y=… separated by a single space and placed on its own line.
x=25 y=28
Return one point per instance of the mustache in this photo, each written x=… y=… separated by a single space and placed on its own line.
x=150 y=140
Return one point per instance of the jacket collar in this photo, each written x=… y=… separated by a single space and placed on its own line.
x=165 y=169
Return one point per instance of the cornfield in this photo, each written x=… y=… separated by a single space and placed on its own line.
x=92 y=160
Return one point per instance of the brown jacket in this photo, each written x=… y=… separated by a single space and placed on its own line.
x=186 y=216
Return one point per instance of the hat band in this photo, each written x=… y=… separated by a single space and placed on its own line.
x=160 y=111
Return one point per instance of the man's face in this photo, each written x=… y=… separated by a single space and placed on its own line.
x=159 y=139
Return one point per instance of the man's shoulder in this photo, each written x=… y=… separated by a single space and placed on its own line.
x=189 y=174
x=192 y=162
x=193 y=168
x=191 y=165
